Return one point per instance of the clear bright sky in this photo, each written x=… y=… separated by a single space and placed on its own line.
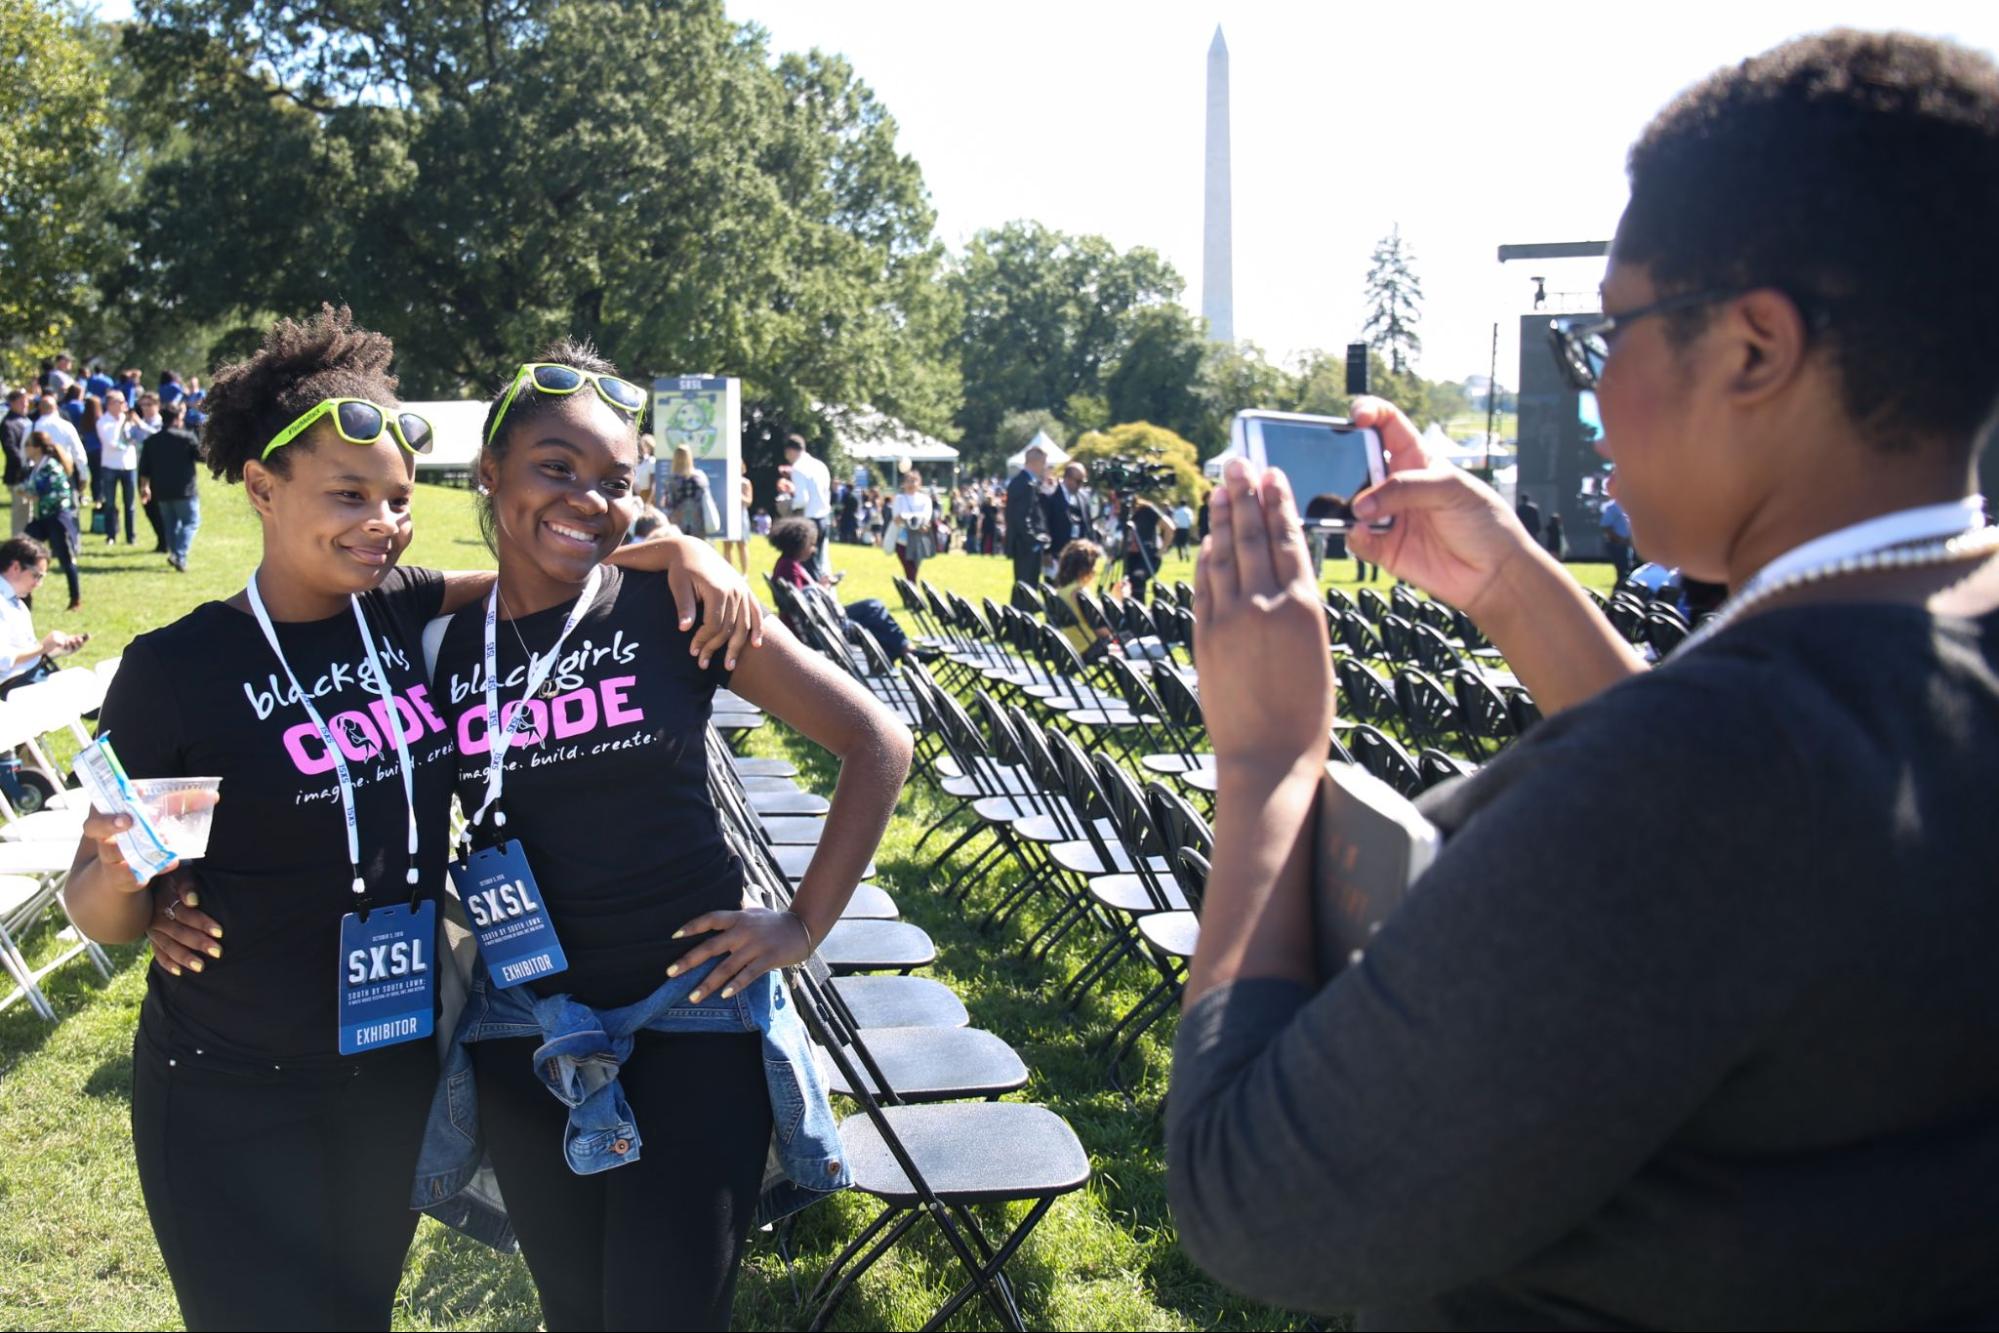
x=1468 y=125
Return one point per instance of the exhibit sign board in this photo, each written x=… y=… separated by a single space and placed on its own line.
x=704 y=413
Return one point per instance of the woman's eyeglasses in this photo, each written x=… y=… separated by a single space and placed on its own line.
x=551 y=378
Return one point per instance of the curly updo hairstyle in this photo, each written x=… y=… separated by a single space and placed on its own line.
x=1859 y=173
x=300 y=364
x=530 y=403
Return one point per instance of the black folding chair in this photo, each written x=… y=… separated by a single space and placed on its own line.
x=1385 y=759
x=939 y=1162
x=1482 y=714
x=1429 y=713
x=1434 y=766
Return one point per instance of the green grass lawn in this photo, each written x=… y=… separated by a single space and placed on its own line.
x=76 y=1250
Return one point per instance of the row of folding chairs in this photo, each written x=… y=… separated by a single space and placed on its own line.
x=931 y=1140
x=1469 y=715
x=1071 y=843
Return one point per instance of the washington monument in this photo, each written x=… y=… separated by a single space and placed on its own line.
x=1217 y=276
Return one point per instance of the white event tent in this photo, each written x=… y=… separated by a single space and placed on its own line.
x=870 y=436
x=1056 y=455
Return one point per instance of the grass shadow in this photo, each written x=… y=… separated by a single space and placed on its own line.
x=111 y=1080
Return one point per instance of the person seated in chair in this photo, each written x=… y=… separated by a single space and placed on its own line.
x=1076 y=572
x=797 y=540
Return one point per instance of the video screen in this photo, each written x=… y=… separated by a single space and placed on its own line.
x=1327 y=467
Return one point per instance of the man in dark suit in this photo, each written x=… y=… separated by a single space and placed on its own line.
x=1026 y=524
x=1077 y=507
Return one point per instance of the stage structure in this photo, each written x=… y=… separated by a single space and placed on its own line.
x=1559 y=468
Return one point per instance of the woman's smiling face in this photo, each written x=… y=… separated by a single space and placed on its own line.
x=562 y=491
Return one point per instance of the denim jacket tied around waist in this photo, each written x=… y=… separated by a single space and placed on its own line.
x=578 y=1061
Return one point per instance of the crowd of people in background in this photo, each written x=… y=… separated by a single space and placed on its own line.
x=85 y=455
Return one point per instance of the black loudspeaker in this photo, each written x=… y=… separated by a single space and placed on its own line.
x=1356 y=368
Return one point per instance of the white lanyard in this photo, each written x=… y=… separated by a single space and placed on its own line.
x=392 y=719
x=499 y=738
x=1924 y=523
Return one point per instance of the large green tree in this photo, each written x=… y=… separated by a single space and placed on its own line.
x=478 y=177
x=1157 y=374
x=1045 y=315
x=52 y=140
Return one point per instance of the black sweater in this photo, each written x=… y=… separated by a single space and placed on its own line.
x=1692 y=1024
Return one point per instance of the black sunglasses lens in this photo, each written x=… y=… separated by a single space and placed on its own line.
x=557 y=379
x=416 y=431
x=360 y=422
x=624 y=393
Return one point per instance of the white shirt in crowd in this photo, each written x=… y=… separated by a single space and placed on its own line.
x=20 y=646
x=914 y=511
x=642 y=477
x=116 y=449
x=811 y=488
x=57 y=425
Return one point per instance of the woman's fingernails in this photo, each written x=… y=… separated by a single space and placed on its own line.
x=678 y=933
x=192 y=901
x=727 y=991
x=674 y=971
x=216 y=931
x=730 y=664
x=214 y=951
x=695 y=998
x=171 y=968
x=194 y=963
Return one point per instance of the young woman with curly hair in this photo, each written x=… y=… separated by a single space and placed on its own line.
x=277 y=1137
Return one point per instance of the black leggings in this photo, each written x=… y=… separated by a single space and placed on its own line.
x=655 y=1244
x=280 y=1198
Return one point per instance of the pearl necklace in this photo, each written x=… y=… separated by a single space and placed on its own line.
x=1976 y=542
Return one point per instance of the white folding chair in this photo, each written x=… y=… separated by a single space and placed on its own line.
x=31 y=877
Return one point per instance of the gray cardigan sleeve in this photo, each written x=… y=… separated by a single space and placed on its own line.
x=1572 y=978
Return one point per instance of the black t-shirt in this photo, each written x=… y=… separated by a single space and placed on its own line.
x=607 y=791
x=205 y=697
x=168 y=459
x=1690 y=1025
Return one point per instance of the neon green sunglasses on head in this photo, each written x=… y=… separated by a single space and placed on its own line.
x=550 y=378
x=359 y=421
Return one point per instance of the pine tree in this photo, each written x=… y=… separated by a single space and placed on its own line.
x=1394 y=301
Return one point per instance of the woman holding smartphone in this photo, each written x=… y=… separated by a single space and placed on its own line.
x=579 y=720
x=276 y=1131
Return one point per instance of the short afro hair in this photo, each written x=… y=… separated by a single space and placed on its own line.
x=1859 y=173
x=300 y=364
x=794 y=537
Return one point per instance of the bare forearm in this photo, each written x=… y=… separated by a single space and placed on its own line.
x=104 y=901
x=1256 y=921
x=1554 y=639
x=871 y=778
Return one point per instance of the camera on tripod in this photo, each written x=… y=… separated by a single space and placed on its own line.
x=1130 y=476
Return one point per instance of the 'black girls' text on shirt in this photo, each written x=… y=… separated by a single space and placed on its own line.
x=205 y=697
x=607 y=784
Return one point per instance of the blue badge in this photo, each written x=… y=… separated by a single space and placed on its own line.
x=515 y=937
x=388 y=977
